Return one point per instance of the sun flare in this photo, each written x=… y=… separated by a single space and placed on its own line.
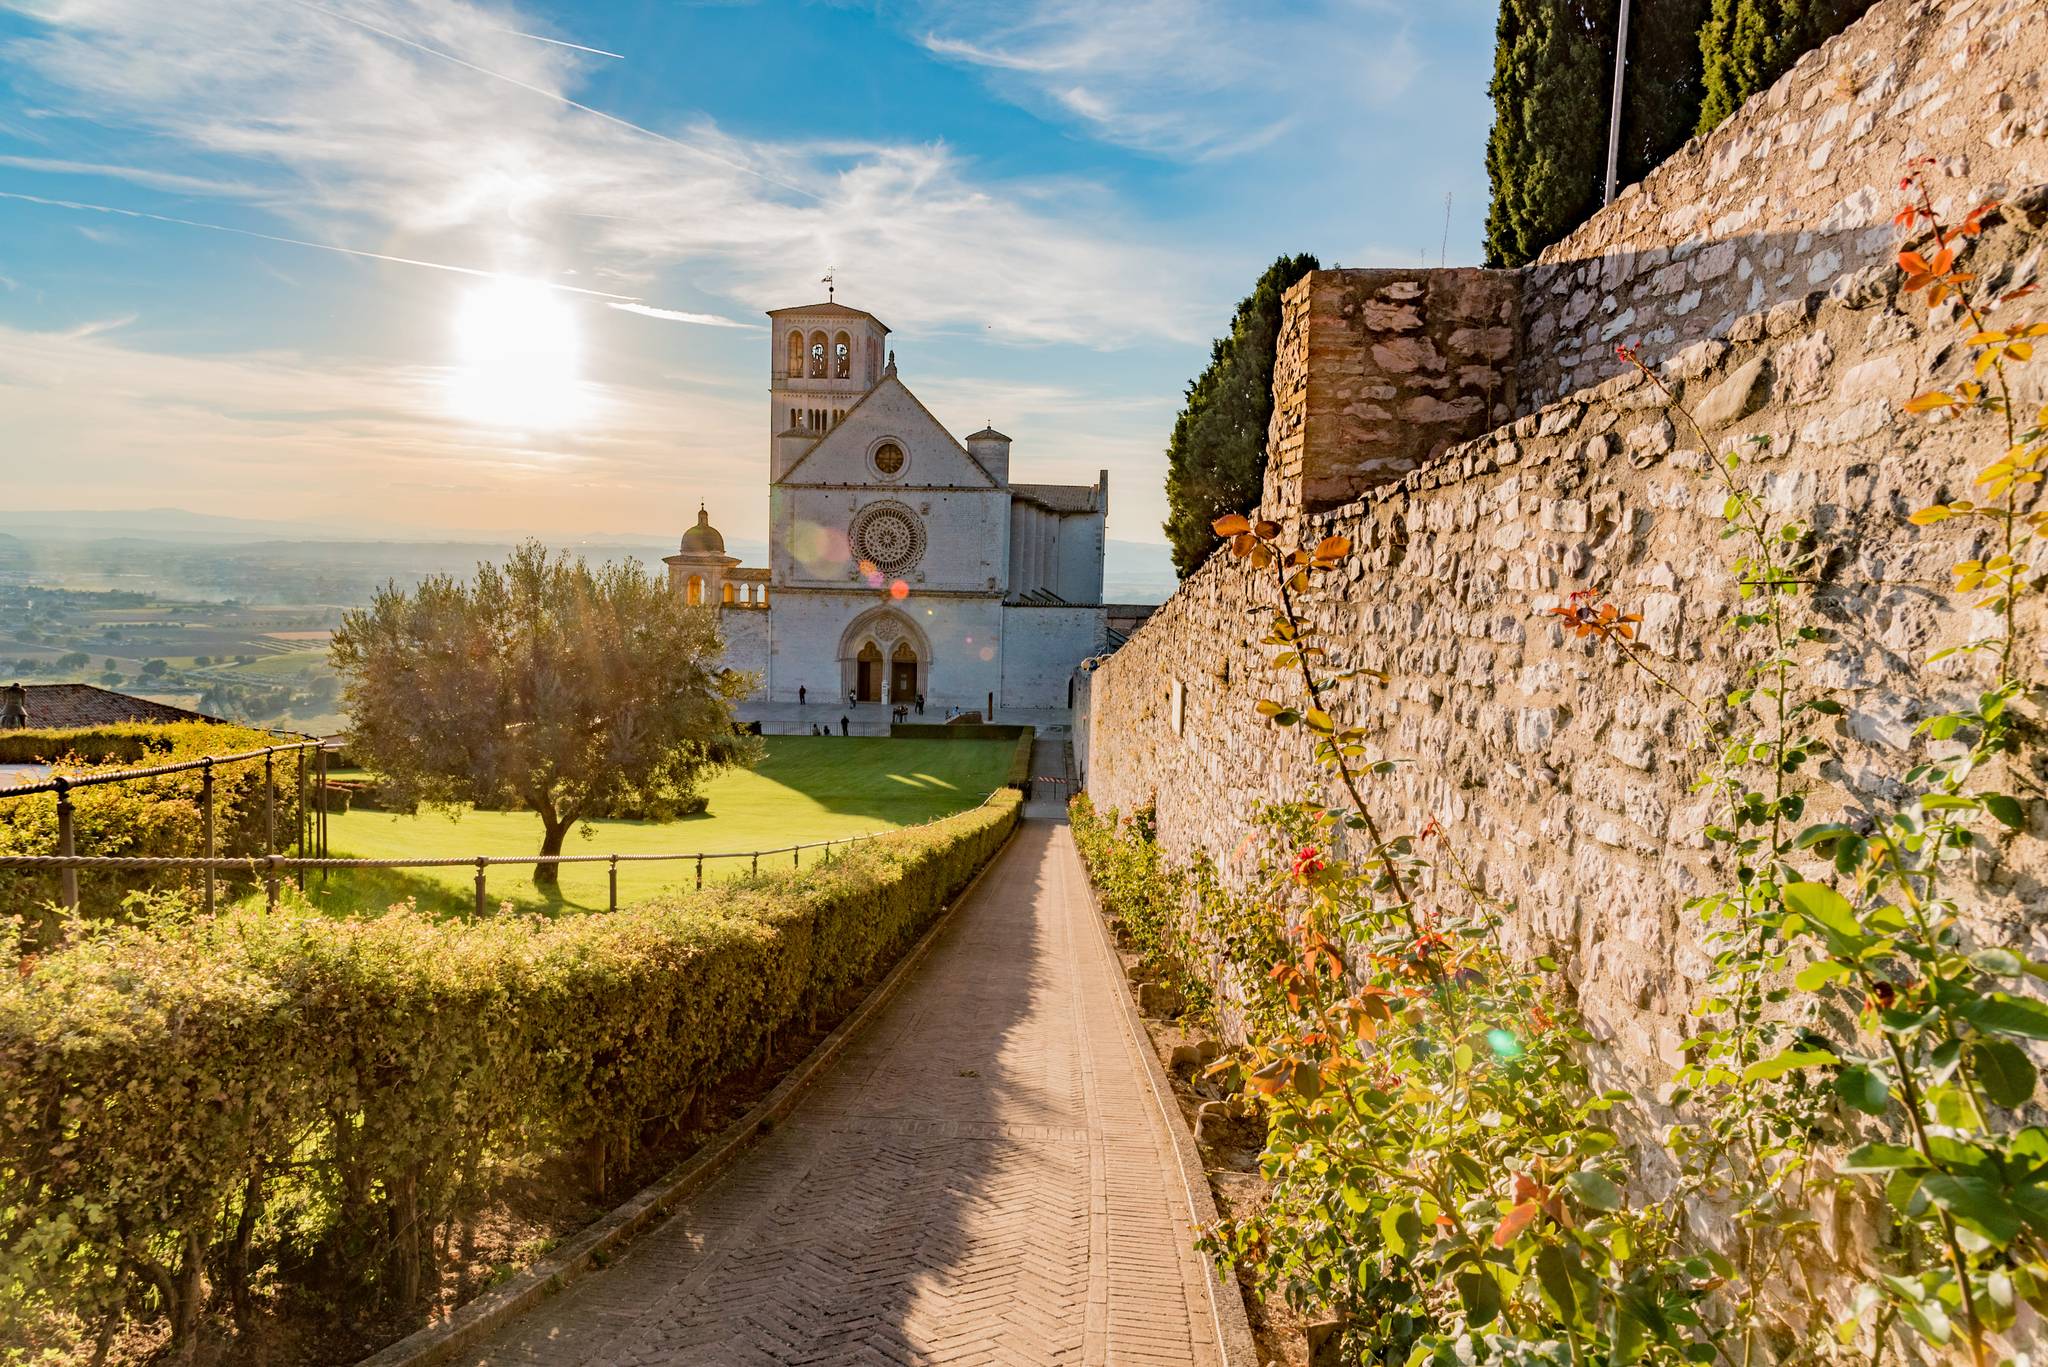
x=518 y=355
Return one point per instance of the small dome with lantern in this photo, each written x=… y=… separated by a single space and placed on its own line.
x=703 y=539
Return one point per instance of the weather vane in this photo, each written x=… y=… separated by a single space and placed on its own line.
x=831 y=290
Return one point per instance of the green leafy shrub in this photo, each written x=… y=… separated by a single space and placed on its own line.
x=1156 y=902
x=151 y=817
x=193 y=1106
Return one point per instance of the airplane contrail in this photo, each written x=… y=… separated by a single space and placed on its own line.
x=560 y=98
x=559 y=42
x=81 y=206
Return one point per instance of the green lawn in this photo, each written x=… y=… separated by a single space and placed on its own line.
x=805 y=788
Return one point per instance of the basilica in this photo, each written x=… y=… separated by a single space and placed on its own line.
x=903 y=564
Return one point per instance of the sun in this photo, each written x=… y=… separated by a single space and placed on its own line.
x=518 y=357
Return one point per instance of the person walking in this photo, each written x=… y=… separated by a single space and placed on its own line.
x=799 y=695
x=920 y=704
x=843 y=724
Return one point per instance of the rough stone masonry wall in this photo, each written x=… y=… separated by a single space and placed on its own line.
x=1379 y=371
x=1562 y=773
x=1796 y=192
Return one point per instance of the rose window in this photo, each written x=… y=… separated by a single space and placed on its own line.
x=888 y=536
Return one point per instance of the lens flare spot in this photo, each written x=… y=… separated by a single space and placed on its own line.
x=899 y=590
x=1503 y=1043
x=988 y=652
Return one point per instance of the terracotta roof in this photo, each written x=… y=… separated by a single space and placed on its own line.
x=830 y=310
x=52 y=706
x=1058 y=498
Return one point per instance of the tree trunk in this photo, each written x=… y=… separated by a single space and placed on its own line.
x=548 y=877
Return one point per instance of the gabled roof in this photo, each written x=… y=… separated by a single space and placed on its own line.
x=847 y=417
x=830 y=309
x=55 y=706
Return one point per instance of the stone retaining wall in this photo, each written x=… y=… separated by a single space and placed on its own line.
x=1797 y=191
x=1563 y=773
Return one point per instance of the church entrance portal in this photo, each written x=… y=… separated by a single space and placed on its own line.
x=902 y=673
x=868 y=667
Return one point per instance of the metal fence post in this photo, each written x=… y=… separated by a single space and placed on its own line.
x=270 y=882
x=320 y=781
x=269 y=803
x=615 y=884
x=66 y=843
x=700 y=873
x=757 y=861
x=299 y=812
x=206 y=824
x=480 y=862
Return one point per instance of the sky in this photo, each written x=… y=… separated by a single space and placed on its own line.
x=472 y=265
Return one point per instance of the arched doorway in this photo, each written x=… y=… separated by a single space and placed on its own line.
x=902 y=673
x=881 y=650
x=867 y=668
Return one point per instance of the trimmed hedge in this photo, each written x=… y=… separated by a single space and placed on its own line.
x=153 y=816
x=189 y=1107
x=1020 y=761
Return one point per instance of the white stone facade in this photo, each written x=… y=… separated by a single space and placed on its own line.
x=902 y=562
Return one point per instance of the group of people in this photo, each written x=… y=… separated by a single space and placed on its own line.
x=845 y=725
x=803 y=699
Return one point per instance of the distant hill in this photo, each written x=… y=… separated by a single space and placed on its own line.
x=181 y=554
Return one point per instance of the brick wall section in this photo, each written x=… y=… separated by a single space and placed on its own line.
x=1563 y=774
x=1378 y=371
x=1796 y=192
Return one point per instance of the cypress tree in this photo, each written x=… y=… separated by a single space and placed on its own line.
x=1747 y=44
x=1216 y=458
x=1547 y=154
x=1660 y=99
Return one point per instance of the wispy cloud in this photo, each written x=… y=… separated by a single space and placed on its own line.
x=1187 y=79
x=155 y=180
x=98 y=326
x=437 y=131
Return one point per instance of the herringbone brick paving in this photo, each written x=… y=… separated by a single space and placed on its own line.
x=982 y=1179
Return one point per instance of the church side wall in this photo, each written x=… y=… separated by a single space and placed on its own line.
x=1794 y=195
x=1041 y=647
x=747 y=646
x=1078 y=551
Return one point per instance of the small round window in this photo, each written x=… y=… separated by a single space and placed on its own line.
x=889 y=458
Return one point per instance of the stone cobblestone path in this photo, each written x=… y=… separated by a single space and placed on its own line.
x=984 y=1177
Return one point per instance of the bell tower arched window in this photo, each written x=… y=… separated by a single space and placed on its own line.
x=817 y=355
x=796 y=354
x=842 y=357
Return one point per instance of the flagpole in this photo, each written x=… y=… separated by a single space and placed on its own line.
x=1614 y=117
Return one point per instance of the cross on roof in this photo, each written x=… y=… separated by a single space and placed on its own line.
x=831 y=290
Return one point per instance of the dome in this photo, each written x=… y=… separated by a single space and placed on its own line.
x=987 y=434
x=703 y=539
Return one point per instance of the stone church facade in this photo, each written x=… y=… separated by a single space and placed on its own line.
x=902 y=562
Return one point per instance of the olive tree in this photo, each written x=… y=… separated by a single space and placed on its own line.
x=543 y=683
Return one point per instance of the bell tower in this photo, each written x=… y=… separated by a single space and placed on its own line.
x=824 y=358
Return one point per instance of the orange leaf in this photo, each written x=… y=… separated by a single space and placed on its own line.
x=1931 y=400
x=1265 y=529
x=1333 y=548
x=1514 y=1222
x=1914 y=264
x=1231 y=524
